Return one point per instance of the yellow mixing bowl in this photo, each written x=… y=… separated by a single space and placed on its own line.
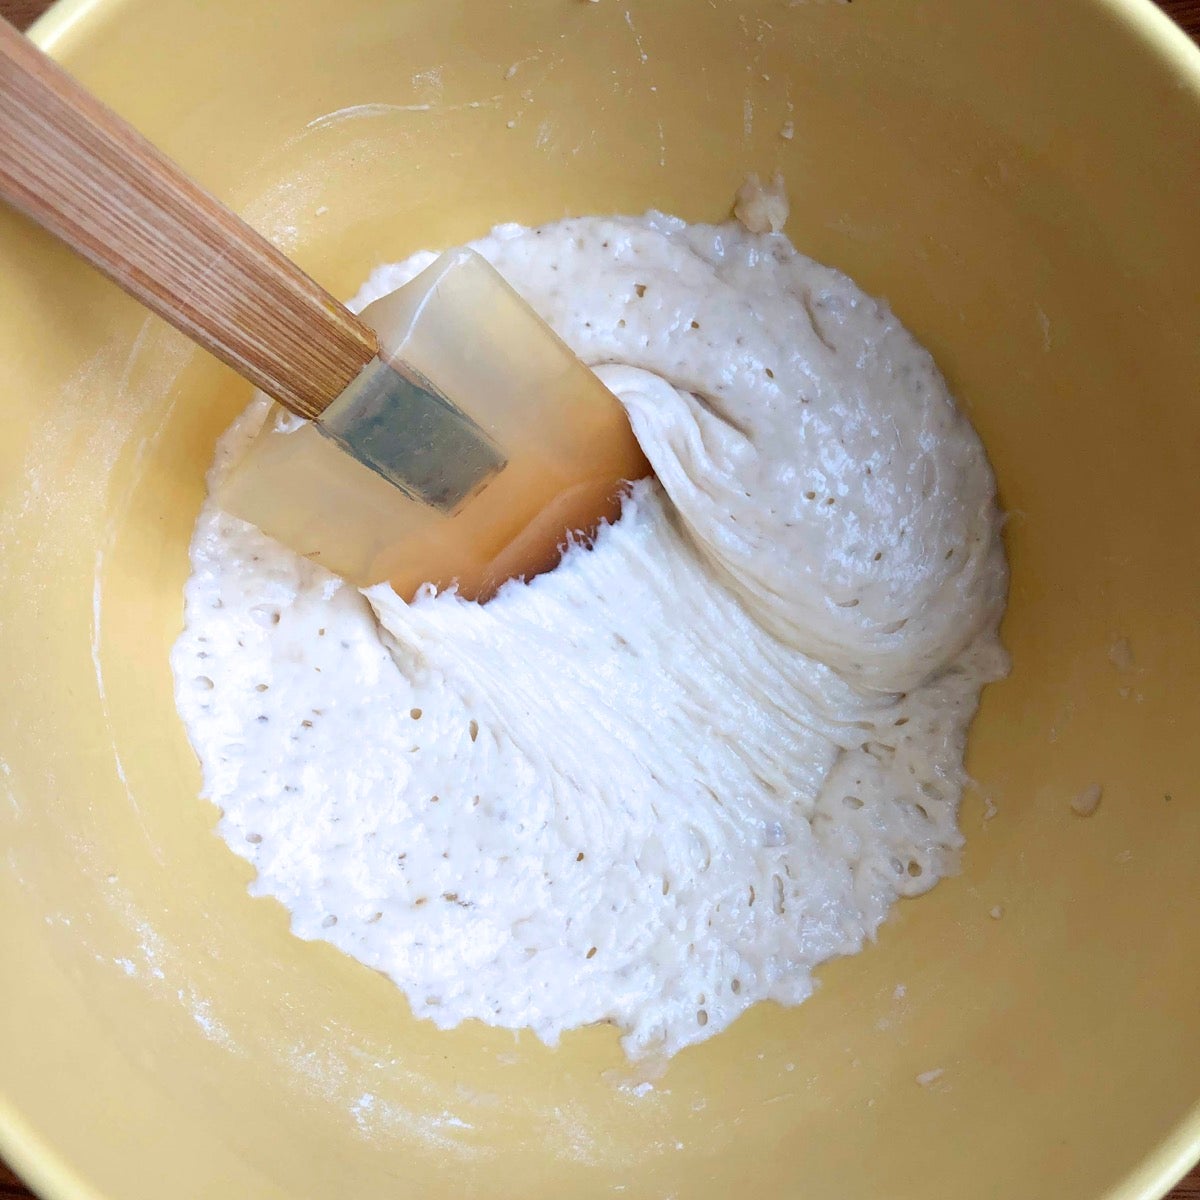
x=1022 y=179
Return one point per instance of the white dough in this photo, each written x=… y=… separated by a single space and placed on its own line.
x=705 y=754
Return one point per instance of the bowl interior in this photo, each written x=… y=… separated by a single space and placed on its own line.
x=1021 y=182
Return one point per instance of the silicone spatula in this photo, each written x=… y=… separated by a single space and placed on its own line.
x=445 y=436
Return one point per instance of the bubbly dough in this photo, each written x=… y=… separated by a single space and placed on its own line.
x=705 y=754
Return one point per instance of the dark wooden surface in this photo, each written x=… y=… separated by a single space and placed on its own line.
x=22 y=12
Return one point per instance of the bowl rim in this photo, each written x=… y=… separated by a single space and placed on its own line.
x=1164 y=1165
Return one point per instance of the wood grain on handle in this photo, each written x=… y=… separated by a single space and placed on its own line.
x=78 y=170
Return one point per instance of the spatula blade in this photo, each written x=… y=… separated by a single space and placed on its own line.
x=503 y=445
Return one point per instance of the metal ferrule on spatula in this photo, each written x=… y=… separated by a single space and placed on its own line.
x=395 y=421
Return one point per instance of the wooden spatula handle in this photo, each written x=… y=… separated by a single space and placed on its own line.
x=81 y=172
